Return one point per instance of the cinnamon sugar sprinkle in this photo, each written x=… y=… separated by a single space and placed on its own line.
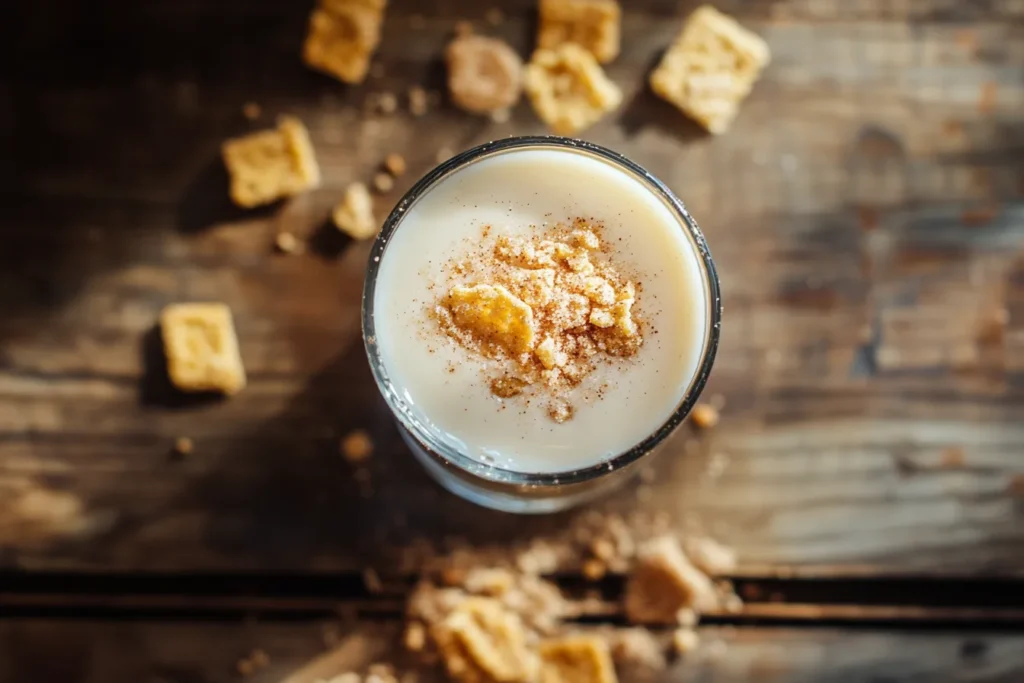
x=549 y=308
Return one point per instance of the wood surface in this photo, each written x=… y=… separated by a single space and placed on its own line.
x=99 y=652
x=865 y=213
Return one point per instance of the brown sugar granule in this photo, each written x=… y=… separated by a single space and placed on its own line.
x=484 y=74
x=383 y=183
x=251 y=111
x=704 y=416
x=665 y=581
x=395 y=164
x=357 y=446
x=551 y=307
x=183 y=446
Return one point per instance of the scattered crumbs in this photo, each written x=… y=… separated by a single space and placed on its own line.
x=684 y=641
x=183 y=446
x=979 y=216
x=251 y=111
x=594 y=569
x=495 y=16
x=704 y=416
x=394 y=163
x=418 y=101
x=383 y=183
x=287 y=243
x=357 y=446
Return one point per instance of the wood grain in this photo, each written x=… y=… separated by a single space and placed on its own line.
x=111 y=652
x=865 y=213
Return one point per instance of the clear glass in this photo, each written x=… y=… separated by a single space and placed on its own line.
x=524 y=492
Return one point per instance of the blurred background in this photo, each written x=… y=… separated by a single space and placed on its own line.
x=865 y=211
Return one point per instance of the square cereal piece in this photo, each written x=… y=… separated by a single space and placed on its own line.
x=271 y=164
x=576 y=659
x=568 y=88
x=342 y=37
x=592 y=24
x=663 y=582
x=201 y=348
x=481 y=641
x=710 y=68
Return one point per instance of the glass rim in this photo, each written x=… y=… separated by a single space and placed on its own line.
x=498 y=474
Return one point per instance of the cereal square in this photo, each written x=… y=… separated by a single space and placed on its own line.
x=710 y=68
x=342 y=37
x=576 y=659
x=493 y=316
x=271 y=164
x=568 y=88
x=665 y=581
x=481 y=641
x=201 y=348
x=592 y=24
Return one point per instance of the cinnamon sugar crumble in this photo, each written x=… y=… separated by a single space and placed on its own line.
x=550 y=308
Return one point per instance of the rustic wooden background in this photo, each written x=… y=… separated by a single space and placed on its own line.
x=866 y=213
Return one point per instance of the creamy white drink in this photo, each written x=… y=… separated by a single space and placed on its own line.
x=521 y=194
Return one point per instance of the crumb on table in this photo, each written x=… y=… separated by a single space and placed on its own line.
x=591 y=24
x=357 y=446
x=354 y=214
x=704 y=416
x=342 y=37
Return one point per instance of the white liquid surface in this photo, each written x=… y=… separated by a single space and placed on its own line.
x=510 y=192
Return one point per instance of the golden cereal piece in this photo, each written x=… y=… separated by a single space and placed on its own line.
x=342 y=37
x=601 y=317
x=704 y=416
x=357 y=446
x=493 y=316
x=201 y=348
x=271 y=164
x=485 y=75
x=663 y=582
x=481 y=642
x=548 y=354
x=354 y=214
x=592 y=24
x=576 y=659
x=710 y=68
x=568 y=89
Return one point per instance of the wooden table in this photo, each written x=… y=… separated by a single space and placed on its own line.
x=866 y=216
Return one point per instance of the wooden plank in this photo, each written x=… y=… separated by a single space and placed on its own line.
x=865 y=213
x=131 y=651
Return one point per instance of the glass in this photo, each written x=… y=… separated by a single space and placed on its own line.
x=504 y=489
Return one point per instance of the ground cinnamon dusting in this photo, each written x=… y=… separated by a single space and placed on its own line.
x=550 y=307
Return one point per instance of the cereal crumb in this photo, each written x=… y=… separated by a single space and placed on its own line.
x=637 y=647
x=354 y=214
x=704 y=416
x=710 y=556
x=395 y=164
x=592 y=24
x=201 y=348
x=272 y=164
x=251 y=111
x=663 y=582
x=687 y=617
x=568 y=89
x=710 y=68
x=507 y=386
x=594 y=569
x=372 y=582
x=287 y=243
x=576 y=659
x=482 y=640
x=183 y=446
x=493 y=316
x=484 y=74
x=684 y=641
x=387 y=103
x=342 y=37
x=357 y=446
x=560 y=411
x=383 y=183
x=415 y=638
x=418 y=101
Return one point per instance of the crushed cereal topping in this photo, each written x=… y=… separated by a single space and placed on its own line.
x=549 y=307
